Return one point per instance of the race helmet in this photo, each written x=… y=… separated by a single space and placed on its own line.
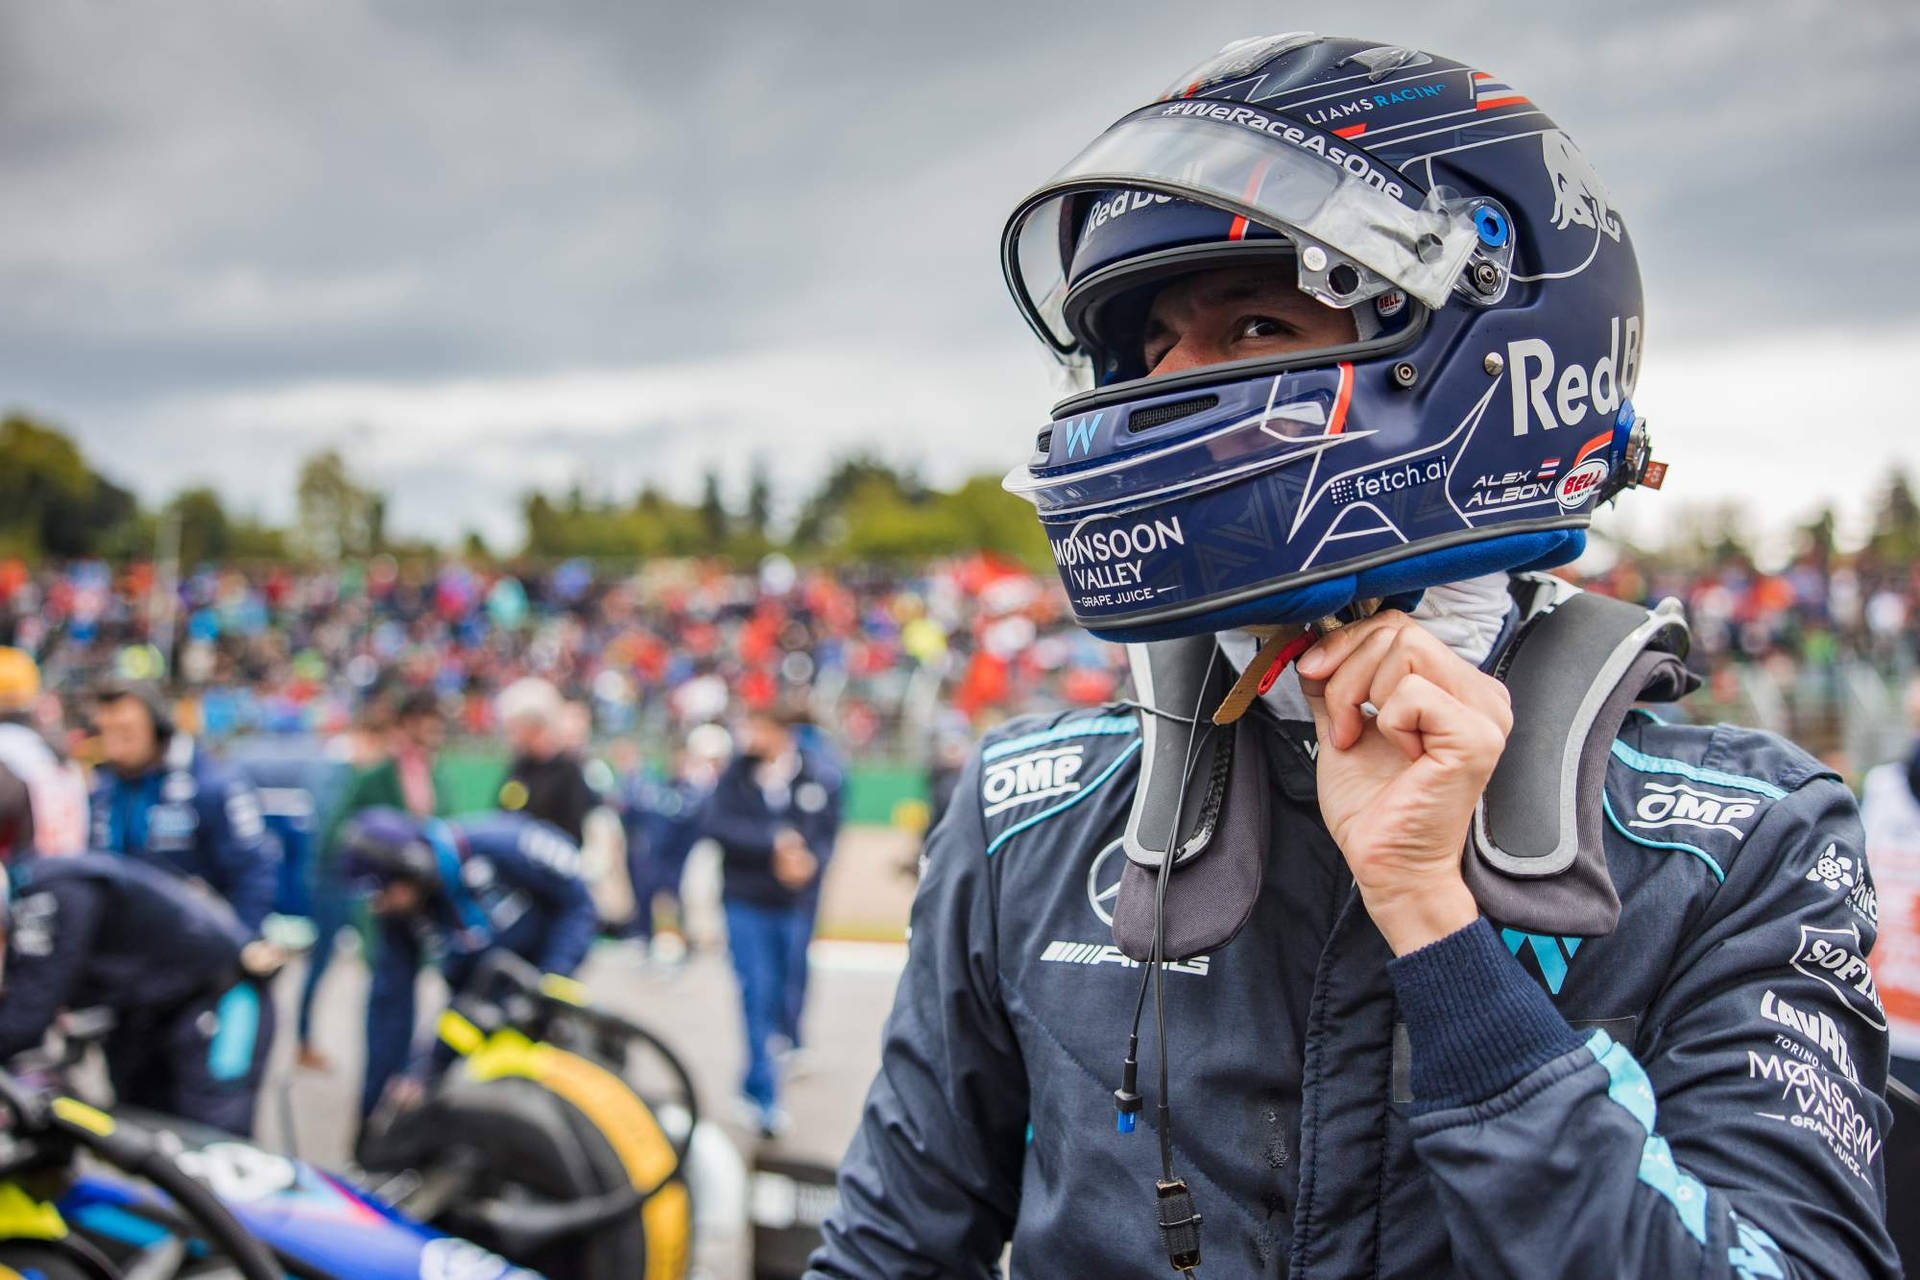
x=383 y=845
x=1468 y=422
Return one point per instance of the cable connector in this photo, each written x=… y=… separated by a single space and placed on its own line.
x=1179 y=1224
x=1126 y=1099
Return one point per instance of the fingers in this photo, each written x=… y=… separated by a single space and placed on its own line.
x=1365 y=663
x=1351 y=684
x=1423 y=719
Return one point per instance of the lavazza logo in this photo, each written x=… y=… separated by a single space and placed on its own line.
x=1678 y=805
x=1103 y=890
x=1819 y=1029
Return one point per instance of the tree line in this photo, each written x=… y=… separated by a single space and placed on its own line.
x=54 y=504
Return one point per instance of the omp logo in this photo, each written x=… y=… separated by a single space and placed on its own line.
x=1680 y=805
x=1578 y=194
x=1038 y=775
x=1080 y=434
x=1819 y=1028
x=1560 y=397
x=1090 y=953
x=1832 y=958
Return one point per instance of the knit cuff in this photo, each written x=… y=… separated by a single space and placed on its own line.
x=1476 y=1023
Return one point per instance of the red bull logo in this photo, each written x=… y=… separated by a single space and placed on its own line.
x=1578 y=194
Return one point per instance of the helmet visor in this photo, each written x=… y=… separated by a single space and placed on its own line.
x=1307 y=423
x=1359 y=232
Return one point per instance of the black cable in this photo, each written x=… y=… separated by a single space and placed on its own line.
x=1163 y=713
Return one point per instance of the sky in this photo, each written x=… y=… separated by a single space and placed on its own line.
x=482 y=247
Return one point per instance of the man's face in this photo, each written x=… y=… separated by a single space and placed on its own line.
x=1236 y=313
x=398 y=898
x=765 y=738
x=530 y=737
x=127 y=738
x=424 y=732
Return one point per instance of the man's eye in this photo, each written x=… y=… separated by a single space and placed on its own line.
x=1262 y=327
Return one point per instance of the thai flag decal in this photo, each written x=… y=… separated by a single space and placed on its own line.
x=1489 y=93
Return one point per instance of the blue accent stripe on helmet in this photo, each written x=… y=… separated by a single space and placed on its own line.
x=1068 y=803
x=230 y=1055
x=1702 y=854
x=446 y=853
x=1628 y=1086
x=1102 y=725
x=1713 y=777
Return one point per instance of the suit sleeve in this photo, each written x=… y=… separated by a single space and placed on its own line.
x=246 y=854
x=546 y=865
x=931 y=1183
x=1743 y=1143
x=52 y=935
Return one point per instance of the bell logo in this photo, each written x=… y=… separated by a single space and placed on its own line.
x=1563 y=401
x=1579 y=484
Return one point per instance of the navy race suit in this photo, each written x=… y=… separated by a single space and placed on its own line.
x=510 y=881
x=97 y=930
x=1696 y=1094
x=195 y=817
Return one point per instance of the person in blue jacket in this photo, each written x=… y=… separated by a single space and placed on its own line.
x=1355 y=327
x=159 y=798
x=775 y=812
x=452 y=891
x=93 y=930
x=661 y=818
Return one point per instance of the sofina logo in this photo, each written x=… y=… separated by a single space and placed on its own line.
x=1080 y=435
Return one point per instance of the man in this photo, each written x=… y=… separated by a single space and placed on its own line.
x=661 y=818
x=58 y=812
x=1459 y=968
x=546 y=780
x=159 y=799
x=1890 y=810
x=406 y=778
x=452 y=892
x=774 y=813
x=93 y=930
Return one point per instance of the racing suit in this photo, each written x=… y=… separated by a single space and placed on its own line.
x=192 y=816
x=1696 y=1093
x=518 y=886
x=96 y=930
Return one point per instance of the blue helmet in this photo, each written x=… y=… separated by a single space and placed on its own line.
x=1471 y=424
x=382 y=845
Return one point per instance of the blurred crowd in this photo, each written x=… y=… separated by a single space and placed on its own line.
x=280 y=649
x=891 y=659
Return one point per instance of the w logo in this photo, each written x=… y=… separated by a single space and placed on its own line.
x=1549 y=953
x=1080 y=434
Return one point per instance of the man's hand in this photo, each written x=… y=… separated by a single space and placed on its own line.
x=262 y=959
x=793 y=863
x=1398 y=788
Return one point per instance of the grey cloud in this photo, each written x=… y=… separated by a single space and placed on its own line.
x=214 y=198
